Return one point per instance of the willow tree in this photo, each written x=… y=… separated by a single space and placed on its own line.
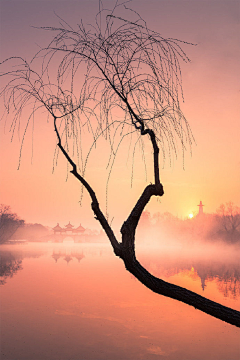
x=84 y=79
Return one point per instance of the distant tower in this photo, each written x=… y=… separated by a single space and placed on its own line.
x=200 y=212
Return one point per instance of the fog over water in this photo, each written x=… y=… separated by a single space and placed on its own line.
x=76 y=301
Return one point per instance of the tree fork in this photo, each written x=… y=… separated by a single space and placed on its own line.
x=131 y=82
x=126 y=251
x=95 y=205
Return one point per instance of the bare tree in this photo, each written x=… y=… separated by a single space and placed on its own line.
x=9 y=223
x=130 y=85
x=228 y=216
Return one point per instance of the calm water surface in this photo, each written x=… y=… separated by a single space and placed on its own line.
x=77 y=302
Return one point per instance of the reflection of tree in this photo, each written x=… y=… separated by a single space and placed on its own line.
x=127 y=68
x=226 y=274
x=229 y=288
x=11 y=262
x=228 y=281
x=9 y=266
x=228 y=216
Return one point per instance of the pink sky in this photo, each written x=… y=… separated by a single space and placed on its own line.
x=211 y=91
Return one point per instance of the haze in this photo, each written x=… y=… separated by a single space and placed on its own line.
x=211 y=92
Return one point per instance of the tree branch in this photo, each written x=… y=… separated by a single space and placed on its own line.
x=126 y=251
x=155 y=284
x=152 y=135
x=95 y=205
x=181 y=294
x=129 y=65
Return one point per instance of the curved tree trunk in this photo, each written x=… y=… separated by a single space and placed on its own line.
x=126 y=249
x=181 y=294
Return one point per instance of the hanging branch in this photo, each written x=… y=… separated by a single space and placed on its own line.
x=119 y=66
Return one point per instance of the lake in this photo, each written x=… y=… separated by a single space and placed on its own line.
x=76 y=301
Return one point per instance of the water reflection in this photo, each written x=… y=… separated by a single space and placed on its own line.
x=224 y=270
x=12 y=261
x=222 y=267
x=91 y=308
x=67 y=256
x=9 y=265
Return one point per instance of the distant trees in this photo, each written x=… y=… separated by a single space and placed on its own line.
x=228 y=218
x=159 y=226
x=168 y=222
x=31 y=232
x=117 y=79
x=223 y=225
x=9 y=223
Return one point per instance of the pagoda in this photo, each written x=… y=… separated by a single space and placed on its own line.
x=80 y=229
x=57 y=229
x=68 y=228
x=200 y=211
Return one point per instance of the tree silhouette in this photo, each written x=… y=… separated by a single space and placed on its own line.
x=9 y=266
x=9 y=223
x=228 y=217
x=117 y=78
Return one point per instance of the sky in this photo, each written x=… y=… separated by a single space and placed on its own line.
x=211 y=85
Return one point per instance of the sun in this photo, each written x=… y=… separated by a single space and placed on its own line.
x=190 y=215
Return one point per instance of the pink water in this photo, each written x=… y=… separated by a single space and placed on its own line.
x=77 y=302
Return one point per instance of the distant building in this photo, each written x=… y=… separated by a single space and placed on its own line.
x=200 y=211
x=79 y=229
x=57 y=229
x=68 y=230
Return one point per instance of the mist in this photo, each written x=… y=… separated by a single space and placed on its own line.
x=166 y=229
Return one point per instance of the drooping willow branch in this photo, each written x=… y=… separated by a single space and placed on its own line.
x=126 y=250
x=95 y=205
x=87 y=79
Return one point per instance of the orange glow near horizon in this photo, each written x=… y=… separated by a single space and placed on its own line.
x=211 y=105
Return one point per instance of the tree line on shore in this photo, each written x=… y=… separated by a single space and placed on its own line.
x=223 y=225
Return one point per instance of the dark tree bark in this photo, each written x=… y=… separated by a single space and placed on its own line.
x=127 y=66
x=126 y=249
